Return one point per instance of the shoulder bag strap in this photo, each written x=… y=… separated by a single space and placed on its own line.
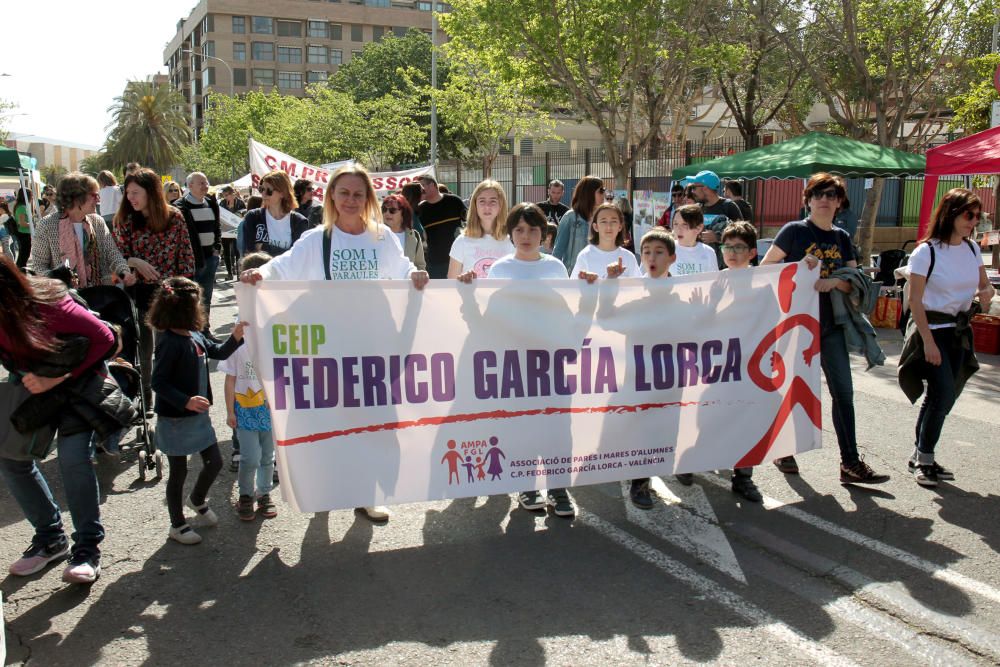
x=327 y=238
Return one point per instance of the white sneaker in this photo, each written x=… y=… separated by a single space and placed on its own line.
x=184 y=534
x=205 y=517
x=377 y=513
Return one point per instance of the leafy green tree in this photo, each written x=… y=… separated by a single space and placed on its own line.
x=93 y=164
x=480 y=111
x=884 y=68
x=389 y=66
x=53 y=173
x=972 y=106
x=621 y=64
x=148 y=126
x=229 y=121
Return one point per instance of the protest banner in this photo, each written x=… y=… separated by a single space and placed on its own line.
x=382 y=394
x=642 y=214
x=264 y=159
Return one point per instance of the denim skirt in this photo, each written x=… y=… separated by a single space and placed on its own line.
x=183 y=436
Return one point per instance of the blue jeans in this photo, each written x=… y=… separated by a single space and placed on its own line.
x=256 y=459
x=29 y=488
x=205 y=276
x=940 y=396
x=837 y=370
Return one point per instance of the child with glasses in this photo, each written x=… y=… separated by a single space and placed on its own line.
x=484 y=240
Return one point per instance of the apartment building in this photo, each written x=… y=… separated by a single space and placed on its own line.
x=234 y=46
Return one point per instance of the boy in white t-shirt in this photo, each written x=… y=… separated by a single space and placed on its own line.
x=739 y=247
x=526 y=225
x=693 y=256
x=247 y=412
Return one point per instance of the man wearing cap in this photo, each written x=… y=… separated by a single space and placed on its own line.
x=718 y=211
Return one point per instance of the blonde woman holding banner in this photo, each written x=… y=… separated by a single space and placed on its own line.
x=358 y=246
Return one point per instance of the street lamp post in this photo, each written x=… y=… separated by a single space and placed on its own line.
x=231 y=79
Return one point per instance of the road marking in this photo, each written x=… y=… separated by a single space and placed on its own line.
x=738 y=605
x=893 y=594
x=936 y=571
x=686 y=519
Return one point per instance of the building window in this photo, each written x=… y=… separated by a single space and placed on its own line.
x=399 y=31
x=377 y=3
x=208 y=23
x=239 y=52
x=239 y=76
x=423 y=6
x=320 y=29
x=290 y=80
x=239 y=25
x=289 y=29
x=208 y=76
x=336 y=56
x=317 y=55
x=208 y=48
x=317 y=77
x=356 y=34
x=263 y=25
x=263 y=77
x=262 y=51
x=289 y=54
x=336 y=31
x=355 y=53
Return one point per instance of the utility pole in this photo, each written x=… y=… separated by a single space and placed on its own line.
x=434 y=56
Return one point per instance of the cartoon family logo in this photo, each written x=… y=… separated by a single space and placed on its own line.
x=485 y=463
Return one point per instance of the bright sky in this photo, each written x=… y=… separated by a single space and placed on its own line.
x=68 y=60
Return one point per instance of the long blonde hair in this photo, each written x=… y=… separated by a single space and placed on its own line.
x=371 y=216
x=474 y=226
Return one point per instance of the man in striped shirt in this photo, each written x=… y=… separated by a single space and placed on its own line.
x=201 y=213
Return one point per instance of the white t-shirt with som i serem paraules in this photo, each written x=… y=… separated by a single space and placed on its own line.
x=594 y=260
x=370 y=255
x=511 y=268
x=698 y=258
x=479 y=254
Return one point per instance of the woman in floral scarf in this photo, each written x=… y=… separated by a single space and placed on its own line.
x=74 y=233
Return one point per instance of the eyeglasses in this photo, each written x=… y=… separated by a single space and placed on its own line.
x=601 y=190
x=970 y=215
x=737 y=249
x=389 y=209
x=830 y=194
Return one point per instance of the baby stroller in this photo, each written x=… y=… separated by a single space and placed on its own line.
x=114 y=306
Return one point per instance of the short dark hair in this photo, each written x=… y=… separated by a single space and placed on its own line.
x=74 y=189
x=300 y=187
x=254 y=260
x=177 y=305
x=555 y=182
x=106 y=179
x=594 y=236
x=742 y=230
x=529 y=213
x=583 y=195
x=412 y=192
x=659 y=235
x=691 y=214
x=551 y=229
x=254 y=201
x=735 y=187
x=822 y=181
x=427 y=178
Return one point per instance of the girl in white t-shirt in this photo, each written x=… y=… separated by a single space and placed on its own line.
x=485 y=237
x=605 y=257
x=946 y=274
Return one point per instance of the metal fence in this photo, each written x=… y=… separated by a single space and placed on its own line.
x=774 y=201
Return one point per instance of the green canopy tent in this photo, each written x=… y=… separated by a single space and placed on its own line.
x=804 y=156
x=13 y=163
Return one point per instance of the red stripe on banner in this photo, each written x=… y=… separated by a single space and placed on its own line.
x=479 y=416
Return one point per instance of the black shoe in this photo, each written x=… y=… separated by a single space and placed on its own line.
x=531 y=500
x=787 y=465
x=685 y=478
x=942 y=474
x=562 y=504
x=860 y=473
x=926 y=475
x=744 y=486
x=640 y=494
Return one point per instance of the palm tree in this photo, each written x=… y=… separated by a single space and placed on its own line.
x=148 y=126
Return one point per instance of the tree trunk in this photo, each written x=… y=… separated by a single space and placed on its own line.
x=868 y=216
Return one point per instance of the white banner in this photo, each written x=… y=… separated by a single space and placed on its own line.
x=264 y=159
x=381 y=394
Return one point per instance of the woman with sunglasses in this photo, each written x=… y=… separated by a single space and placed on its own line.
x=946 y=273
x=276 y=225
x=77 y=235
x=173 y=192
x=574 y=227
x=398 y=217
x=819 y=242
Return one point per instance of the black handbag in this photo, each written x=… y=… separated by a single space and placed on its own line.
x=15 y=445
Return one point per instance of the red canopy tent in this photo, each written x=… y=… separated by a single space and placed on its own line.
x=975 y=154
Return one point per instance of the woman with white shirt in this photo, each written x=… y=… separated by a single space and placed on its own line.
x=111 y=195
x=946 y=273
x=276 y=226
x=352 y=244
x=484 y=239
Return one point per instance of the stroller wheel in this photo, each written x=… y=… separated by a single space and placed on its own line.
x=159 y=465
x=142 y=466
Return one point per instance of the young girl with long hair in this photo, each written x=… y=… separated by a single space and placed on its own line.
x=484 y=240
x=605 y=257
x=183 y=397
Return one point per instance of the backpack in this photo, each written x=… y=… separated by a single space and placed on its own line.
x=904 y=272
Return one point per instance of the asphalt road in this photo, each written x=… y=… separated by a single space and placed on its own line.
x=820 y=574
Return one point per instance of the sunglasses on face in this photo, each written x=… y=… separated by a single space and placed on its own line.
x=390 y=209
x=830 y=194
x=267 y=191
